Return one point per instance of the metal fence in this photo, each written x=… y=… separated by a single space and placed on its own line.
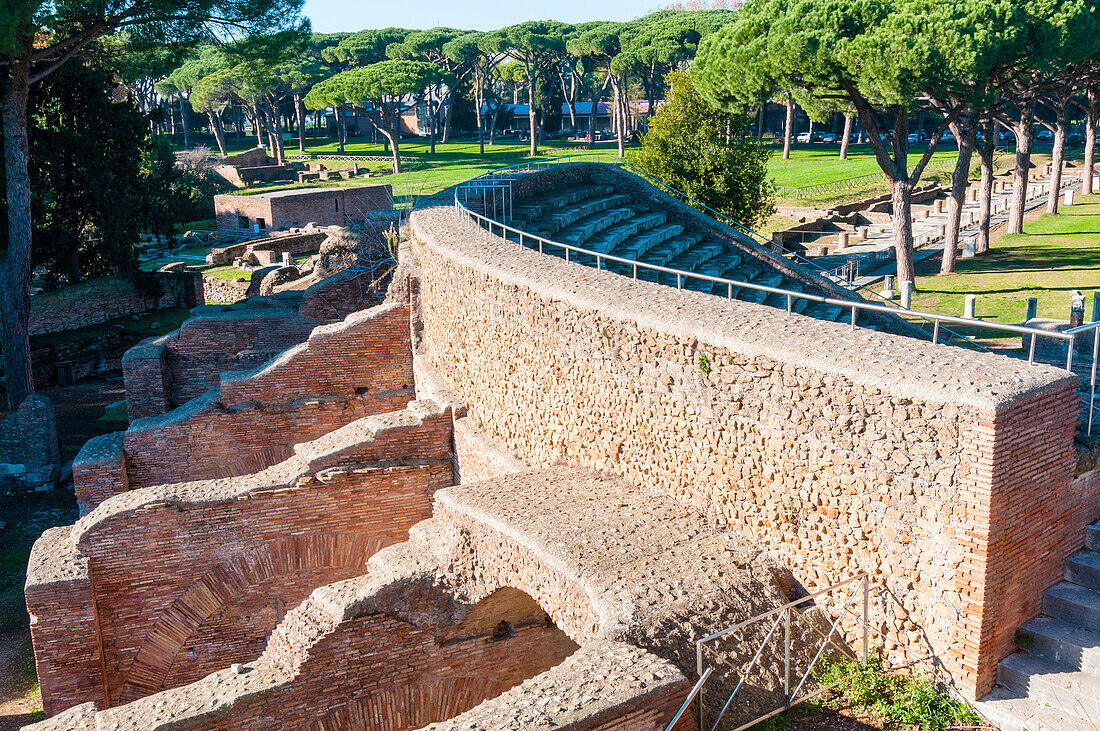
x=481 y=187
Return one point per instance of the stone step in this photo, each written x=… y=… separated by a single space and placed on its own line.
x=1092 y=536
x=1064 y=644
x=557 y=220
x=1011 y=711
x=693 y=258
x=636 y=247
x=780 y=300
x=1077 y=605
x=612 y=236
x=1083 y=569
x=539 y=206
x=579 y=232
x=720 y=265
x=662 y=254
x=821 y=311
x=1070 y=691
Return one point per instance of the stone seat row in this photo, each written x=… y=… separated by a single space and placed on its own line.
x=598 y=219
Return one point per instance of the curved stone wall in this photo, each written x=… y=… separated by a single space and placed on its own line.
x=940 y=471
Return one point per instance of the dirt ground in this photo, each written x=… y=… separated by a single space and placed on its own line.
x=77 y=410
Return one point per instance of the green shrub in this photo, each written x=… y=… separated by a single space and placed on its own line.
x=911 y=700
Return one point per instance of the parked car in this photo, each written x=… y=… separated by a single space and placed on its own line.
x=1044 y=135
x=829 y=139
x=947 y=138
x=1008 y=136
x=803 y=138
x=1075 y=140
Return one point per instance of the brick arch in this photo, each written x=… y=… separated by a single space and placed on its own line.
x=223 y=583
x=412 y=706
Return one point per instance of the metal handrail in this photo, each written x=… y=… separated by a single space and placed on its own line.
x=690 y=697
x=681 y=275
x=935 y=319
x=745 y=230
x=781 y=614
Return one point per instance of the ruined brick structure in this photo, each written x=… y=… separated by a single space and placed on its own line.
x=515 y=493
x=285 y=209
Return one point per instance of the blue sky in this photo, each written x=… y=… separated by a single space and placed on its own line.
x=349 y=15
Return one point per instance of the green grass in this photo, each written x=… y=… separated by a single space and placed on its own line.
x=1054 y=256
x=816 y=164
x=427 y=174
x=227 y=273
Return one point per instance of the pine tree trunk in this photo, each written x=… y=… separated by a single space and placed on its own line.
x=616 y=88
x=1057 y=158
x=431 y=123
x=341 y=130
x=960 y=180
x=216 y=128
x=902 y=197
x=531 y=113
x=300 y=115
x=15 y=266
x=447 y=116
x=1022 y=170
x=1090 y=139
x=847 y=134
x=985 y=192
x=788 y=131
x=185 y=125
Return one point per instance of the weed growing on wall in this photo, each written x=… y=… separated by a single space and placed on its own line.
x=915 y=700
x=704 y=363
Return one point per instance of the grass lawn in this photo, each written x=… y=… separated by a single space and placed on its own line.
x=815 y=164
x=1054 y=256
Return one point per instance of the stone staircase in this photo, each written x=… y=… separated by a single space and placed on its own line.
x=596 y=218
x=1053 y=682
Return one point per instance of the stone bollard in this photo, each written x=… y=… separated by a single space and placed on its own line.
x=286 y=258
x=1032 y=310
x=969 y=306
x=972 y=195
x=970 y=247
x=1069 y=197
x=842 y=240
x=1095 y=183
x=938 y=205
x=926 y=213
x=907 y=295
x=888 y=288
x=943 y=232
x=861 y=233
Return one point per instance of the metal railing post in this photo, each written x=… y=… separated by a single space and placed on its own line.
x=790 y=305
x=935 y=331
x=699 y=672
x=787 y=657
x=1069 y=354
x=1092 y=378
x=1031 y=351
x=866 y=604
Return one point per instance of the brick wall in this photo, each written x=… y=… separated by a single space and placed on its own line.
x=167 y=371
x=854 y=457
x=99 y=470
x=256 y=416
x=296 y=208
x=99 y=300
x=183 y=580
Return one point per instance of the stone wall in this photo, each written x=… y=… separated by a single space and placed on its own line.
x=181 y=580
x=219 y=291
x=28 y=447
x=167 y=371
x=254 y=418
x=840 y=451
x=500 y=587
x=287 y=209
x=98 y=300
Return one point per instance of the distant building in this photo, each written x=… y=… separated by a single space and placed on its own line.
x=284 y=209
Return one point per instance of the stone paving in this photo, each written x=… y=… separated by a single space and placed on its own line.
x=876 y=253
